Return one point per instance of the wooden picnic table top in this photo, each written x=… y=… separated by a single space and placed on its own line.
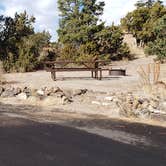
x=61 y=62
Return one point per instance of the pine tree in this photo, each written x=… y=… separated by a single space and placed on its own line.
x=78 y=22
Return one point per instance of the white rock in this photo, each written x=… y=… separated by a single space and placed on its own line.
x=164 y=104
x=96 y=102
x=106 y=104
x=109 y=98
x=40 y=92
x=22 y=96
x=158 y=111
x=52 y=100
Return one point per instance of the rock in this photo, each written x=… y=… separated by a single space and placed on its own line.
x=47 y=91
x=154 y=103
x=130 y=99
x=68 y=93
x=55 y=89
x=22 y=96
x=150 y=108
x=17 y=91
x=40 y=92
x=143 y=114
x=136 y=104
x=66 y=100
x=58 y=94
x=145 y=104
x=141 y=101
x=96 y=102
x=79 y=92
x=109 y=98
x=1 y=90
x=106 y=104
x=159 y=112
x=9 y=92
x=52 y=91
x=52 y=100
x=162 y=106
x=27 y=91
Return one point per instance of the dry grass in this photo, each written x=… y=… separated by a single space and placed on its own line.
x=150 y=80
x=2 y=79
x=149 y=75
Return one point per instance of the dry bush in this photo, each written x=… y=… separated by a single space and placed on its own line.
x=149 y=79
x=2 y=79
x=149 y=75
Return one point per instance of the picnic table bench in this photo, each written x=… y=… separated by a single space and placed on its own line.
x=60 y=66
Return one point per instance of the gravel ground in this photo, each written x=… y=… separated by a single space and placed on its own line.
x=77 y=80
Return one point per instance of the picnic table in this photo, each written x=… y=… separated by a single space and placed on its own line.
x=95 y=67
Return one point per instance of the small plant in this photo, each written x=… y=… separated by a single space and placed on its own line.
x=149 y=75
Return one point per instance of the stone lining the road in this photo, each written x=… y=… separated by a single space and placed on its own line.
x=119 y=104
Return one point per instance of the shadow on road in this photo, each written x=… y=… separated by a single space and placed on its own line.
x=27 y=143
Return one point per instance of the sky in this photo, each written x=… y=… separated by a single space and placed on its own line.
x=46 y=12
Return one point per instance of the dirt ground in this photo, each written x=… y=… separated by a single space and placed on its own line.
x=77 y=80
x=81 y=80
x=32 y=134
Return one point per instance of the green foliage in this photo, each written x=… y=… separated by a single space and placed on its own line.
x=87 y=51
x=110 y=43
x=78 y=22
x=158 y=46
x=81 y=28
x=20 y=45
x=68 y=52
x=29 y=51
x=148 y=24
x=144 y=3
x=141 y=21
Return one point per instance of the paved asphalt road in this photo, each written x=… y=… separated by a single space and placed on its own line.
x=27 y=143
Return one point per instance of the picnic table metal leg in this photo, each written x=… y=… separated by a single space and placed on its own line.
x=53 y=75
x=100 y=75
x=96 y=74
x=92 y=74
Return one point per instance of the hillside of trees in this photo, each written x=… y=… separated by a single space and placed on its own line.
x=147 y=23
